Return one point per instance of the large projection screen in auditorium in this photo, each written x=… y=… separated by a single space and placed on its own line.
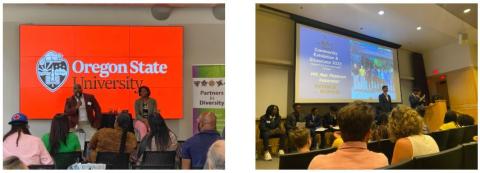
x=110 y=62
x=333 y=68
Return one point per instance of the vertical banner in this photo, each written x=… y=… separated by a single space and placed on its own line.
x=208 y=93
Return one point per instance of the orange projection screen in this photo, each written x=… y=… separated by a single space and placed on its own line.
x=110 y=62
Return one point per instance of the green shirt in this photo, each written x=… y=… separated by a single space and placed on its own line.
x=72 y=143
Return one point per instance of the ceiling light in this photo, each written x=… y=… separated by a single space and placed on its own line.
x=466 y=10
x=381 y=12
x=419 y=28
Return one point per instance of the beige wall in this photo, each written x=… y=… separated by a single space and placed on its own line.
x=449 y=57
x=275 y=64
x=204 y=43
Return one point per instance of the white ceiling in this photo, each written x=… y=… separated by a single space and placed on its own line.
x=398 y=24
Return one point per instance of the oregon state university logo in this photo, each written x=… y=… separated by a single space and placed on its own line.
x=52 y=70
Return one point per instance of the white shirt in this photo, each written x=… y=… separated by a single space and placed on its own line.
x=82 y=110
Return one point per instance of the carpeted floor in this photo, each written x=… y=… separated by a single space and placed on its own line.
x=263 y=164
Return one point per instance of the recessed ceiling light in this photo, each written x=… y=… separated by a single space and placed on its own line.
x=419 y=28
x=381 y=12
x=466 y=10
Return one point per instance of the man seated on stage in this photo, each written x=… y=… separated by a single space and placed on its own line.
x=294 y=120
x=313 y=121
x=301 y=138
x=329 y=121
x=354 y=120
x=194 y=150
x=270 y=127
x=83 y=111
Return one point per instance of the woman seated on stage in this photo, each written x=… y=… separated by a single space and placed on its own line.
x=160 y=138
x=405 y=127
x=144 y=106
x=60 y=140
x=118 y=139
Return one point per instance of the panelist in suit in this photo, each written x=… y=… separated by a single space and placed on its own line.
x=416 y=99
x=313 y=121
x=83 y=111
x=295 y=117
x=384 y=100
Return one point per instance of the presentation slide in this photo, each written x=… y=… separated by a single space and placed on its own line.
x=110 y=62
x=332 y=68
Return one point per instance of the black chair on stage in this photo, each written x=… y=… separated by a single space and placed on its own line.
x=384 y=146
x=301 y=160
x=41 y=166
x=64 y=160
x=447 y=159
x=455 y=137
x=469 y=132
x=441 y=138
x=158 y=160
x=470 y=155
x=408 y=164
x=114 y=160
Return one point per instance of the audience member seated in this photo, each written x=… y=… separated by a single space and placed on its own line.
x=60 y=140
x=465 y=120
x=405 y=127
x=354 y=120
x=194 y=150
x=269 y=128
x=19 y=142
x=338 y=139
x=379 y=129
x=119 y=139
x=450 y=121
x=13 y=162
x=421 y=112
x=216 y=155
x=301 y=139
x=160 y=138
x=313 y=121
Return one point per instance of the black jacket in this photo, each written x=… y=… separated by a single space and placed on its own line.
x=269 y=123
x=313 y=121
x=384 y=104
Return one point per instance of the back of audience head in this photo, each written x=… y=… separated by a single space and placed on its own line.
x=355 y=121
x=272 y=110
x=216 y=155
x=450 y=116
x=19 y=125
x=159 y=130
x=421 y=110
x=58 y=132
x=403 y=122
x=300 y=138
x=207 y=121
x=465 y=120
x=13 y=162
x=108 y=121
x=123 y=122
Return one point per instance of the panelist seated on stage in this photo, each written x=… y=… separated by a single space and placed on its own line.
x=60 y=139
x=354 y=121
x=144 y=106
x=83 y=111
x=313 y=121
x=118 y=139
x=19 y=142
x=269 y=128
x=296 y=118
x=405 y=127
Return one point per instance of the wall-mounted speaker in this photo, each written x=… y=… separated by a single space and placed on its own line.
x=161 y=12
x=219 y=11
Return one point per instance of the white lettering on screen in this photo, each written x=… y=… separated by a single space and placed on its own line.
x=105 y=69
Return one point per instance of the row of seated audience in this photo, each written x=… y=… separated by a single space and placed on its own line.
x=357 y=124
x=19 y=146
